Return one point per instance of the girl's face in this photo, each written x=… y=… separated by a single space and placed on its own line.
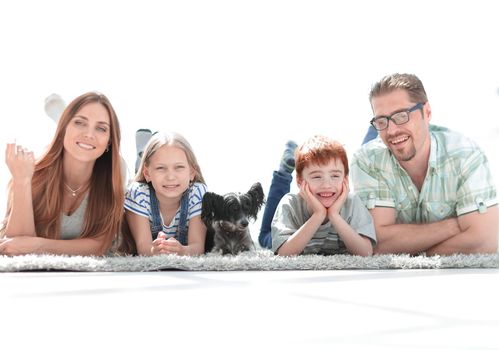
x=169 y=172
x=88 y=133
x=325 y=181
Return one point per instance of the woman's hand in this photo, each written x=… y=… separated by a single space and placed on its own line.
x=20 y=161
x=20 y=245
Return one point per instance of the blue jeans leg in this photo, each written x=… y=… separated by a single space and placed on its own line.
x=281 y=184
x=371 y=134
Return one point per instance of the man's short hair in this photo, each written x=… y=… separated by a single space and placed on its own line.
x=407 y=82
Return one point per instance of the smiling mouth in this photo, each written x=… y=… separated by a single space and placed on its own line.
x=326 y=195
x=85 y=146
x=399 y=140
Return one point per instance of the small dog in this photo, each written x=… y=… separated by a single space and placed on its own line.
x=226 y=219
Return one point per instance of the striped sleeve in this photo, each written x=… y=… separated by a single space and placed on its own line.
x=137 y=199
x=196 y=194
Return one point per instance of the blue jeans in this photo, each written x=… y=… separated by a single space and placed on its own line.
x=281 y=184
x=371 y=134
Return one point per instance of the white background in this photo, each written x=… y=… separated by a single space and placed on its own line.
x=240 y=78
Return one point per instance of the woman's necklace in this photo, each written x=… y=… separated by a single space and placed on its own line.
x=74 y=192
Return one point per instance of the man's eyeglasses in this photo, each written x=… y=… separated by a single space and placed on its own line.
x=397 y=118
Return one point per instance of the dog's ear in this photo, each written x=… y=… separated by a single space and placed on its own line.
x=257 y=199
x=212 y=206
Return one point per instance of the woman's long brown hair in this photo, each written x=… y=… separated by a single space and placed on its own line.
x=104 y=211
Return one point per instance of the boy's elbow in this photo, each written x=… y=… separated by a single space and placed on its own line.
x=282 y=251
x=366 y=252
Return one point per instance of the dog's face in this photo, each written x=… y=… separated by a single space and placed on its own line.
x=236 y=210
x=233 y=209
x=228 y=216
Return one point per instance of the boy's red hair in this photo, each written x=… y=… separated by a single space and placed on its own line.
x=319 y=150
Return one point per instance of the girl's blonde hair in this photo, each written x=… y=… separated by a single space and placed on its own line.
x=106 y=196
x=161 y=139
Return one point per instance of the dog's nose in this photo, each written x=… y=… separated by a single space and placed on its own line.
x=244 y=223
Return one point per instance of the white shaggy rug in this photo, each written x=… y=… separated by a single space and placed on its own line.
x=258 y=260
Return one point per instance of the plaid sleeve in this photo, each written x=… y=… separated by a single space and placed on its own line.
x=476 y=189
x=370 y=181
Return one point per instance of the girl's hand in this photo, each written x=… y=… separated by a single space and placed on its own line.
x=157 y=244
x=313 y=203
x=20 y=162
x=340 y=201
x=172 y=246
x=161 y=245
x=19 y=245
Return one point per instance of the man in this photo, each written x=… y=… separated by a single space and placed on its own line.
x=428 y=189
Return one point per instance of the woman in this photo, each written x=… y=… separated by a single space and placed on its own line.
x=71 y=200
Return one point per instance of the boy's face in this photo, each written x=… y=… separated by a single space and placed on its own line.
x=325 y=181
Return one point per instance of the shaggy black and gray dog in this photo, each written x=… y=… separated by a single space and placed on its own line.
x=227 y=218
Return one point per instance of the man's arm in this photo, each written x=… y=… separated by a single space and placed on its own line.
x=409 y=238
x=478 y=234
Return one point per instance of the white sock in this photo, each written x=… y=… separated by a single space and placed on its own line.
x=54 y=106
x=142 y=137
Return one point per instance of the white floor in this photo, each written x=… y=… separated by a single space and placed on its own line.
x=395 y=309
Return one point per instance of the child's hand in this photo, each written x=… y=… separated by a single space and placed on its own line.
x=172 y=246
x=340 y=201
x=313 y=203
x=161 y=245
x=20 y=162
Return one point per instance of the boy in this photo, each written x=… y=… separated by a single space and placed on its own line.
x=323 y=218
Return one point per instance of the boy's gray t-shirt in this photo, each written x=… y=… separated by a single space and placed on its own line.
x=72 y=225
x=292 y=213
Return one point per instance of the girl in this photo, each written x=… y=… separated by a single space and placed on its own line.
x=163 y=205
x=70 y=201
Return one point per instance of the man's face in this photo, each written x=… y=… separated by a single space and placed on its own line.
x=409 y=140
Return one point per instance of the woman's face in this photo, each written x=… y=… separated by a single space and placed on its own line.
x=88 y=133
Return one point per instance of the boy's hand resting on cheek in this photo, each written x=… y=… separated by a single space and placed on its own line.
x=314 y=205
x=334 y=209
